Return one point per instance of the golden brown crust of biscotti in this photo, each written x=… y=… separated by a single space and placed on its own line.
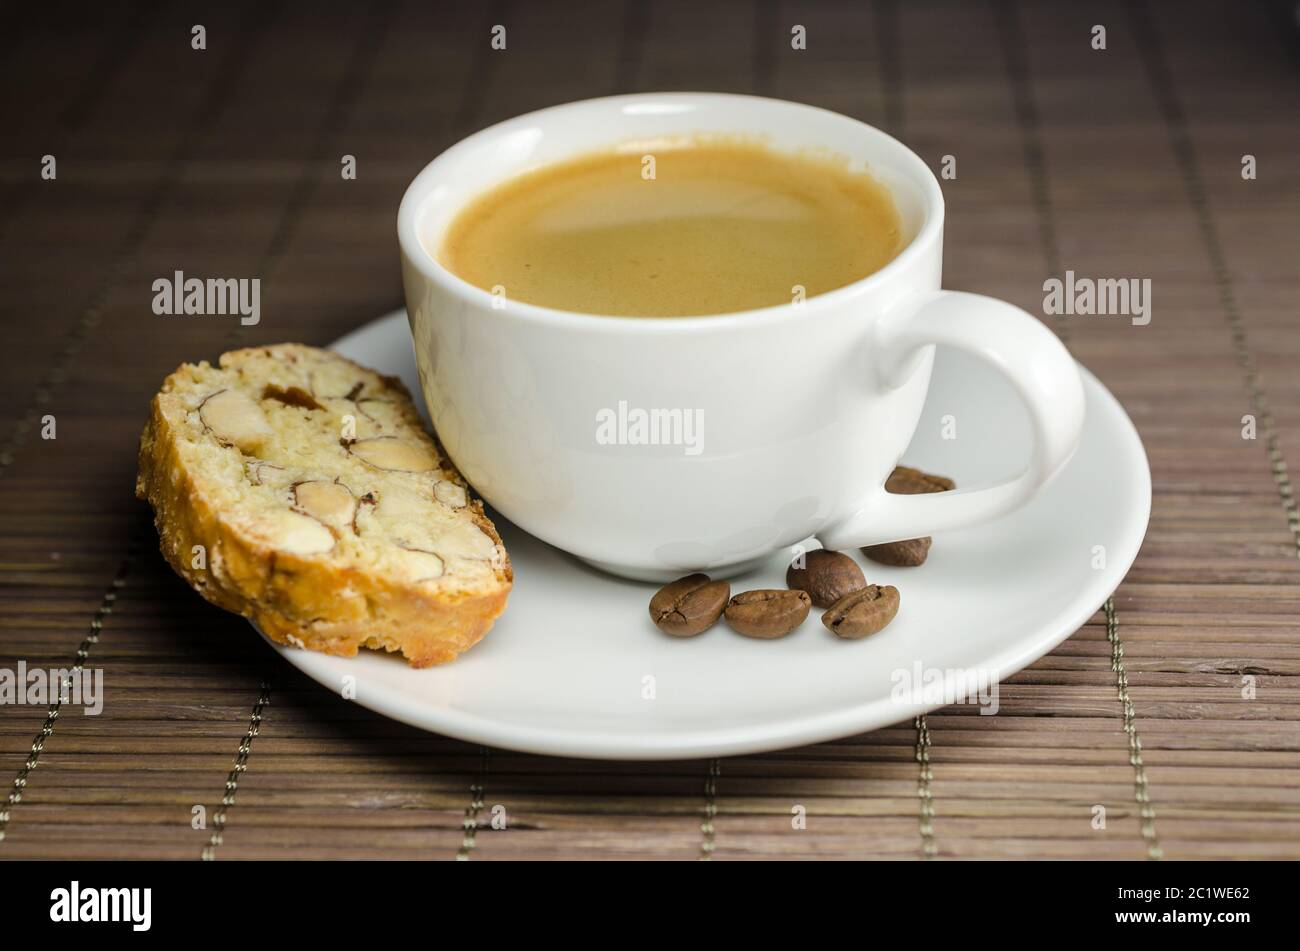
x=369 y=587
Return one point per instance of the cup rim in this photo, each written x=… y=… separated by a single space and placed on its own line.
x=432 y=269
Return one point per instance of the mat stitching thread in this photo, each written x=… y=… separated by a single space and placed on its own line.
x=209 y=852
x=106 y=605
x=1175 y=118
x=1035 y=158
x=470 y=822
x=1141 y=792
x=925 y=776
x=707 y=829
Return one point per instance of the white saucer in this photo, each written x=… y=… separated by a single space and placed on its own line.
x=575 y=667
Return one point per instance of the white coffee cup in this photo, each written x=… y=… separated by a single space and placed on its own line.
x=774 y=424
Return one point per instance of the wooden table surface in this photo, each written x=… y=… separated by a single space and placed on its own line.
x=1176 y=708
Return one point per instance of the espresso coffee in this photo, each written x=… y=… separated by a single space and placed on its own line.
x=705 y=228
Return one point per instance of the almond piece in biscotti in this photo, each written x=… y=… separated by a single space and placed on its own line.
x=466 y=540
x=293 y=533
x=393 y=454
x=383 y=414
x=327 y=534
x=420 y=565
x=263 y=473
x=449 y=493
x=235 y=420
x=328 y=502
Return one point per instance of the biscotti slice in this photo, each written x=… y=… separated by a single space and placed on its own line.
x=300 y=490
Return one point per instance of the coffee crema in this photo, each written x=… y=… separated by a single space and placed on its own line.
x=707 y=228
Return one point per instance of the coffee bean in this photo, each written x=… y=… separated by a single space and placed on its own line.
x=768 y=613
x=905 y=481
x=690 y=605
x=912 y=551
x=904 y=554
x=827 y=576
x=862 y=613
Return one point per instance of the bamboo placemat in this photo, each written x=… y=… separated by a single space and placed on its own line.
x=1122 y=162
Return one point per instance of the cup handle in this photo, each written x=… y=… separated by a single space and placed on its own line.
x=1027 y=354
